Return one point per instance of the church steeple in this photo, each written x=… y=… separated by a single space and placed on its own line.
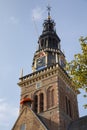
x=49 y=50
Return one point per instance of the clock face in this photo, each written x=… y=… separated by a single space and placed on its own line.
x=40 y=63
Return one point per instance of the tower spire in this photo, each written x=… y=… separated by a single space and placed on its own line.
x=49 y=9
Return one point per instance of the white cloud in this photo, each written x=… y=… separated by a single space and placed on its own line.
x=37 y=13
x=7 y=113
x=1 y=100
x=13 y=20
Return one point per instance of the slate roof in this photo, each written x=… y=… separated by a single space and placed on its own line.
x=80 y=124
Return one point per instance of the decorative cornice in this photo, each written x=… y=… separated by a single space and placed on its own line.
x=38 y=75
x=55 y=69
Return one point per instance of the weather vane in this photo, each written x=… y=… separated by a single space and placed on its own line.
x=48 y=9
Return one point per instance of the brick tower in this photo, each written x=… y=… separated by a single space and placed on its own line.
x=48 y=98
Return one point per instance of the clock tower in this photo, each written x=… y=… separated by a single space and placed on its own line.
x=49 y=49
x=48 y=96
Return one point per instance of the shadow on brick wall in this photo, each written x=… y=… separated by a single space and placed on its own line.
x=50 y=125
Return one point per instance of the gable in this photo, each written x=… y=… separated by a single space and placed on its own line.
x=28 y=120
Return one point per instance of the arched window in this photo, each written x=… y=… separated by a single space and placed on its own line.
x=41 y=102
x=42 y=44
x=49 y=42
x=58 y=45
x=52 y=97
x=48 y=98
x=70 y=113
x=68 y=107
x=36 y=103
x=46 y=42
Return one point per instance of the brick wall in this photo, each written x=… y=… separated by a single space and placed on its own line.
x=55 y=114
x=30 y=120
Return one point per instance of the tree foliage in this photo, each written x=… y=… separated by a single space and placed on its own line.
x=77 y=68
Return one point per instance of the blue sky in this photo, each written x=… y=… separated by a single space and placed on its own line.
x=18 y=42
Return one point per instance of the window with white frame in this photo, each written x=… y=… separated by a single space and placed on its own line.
x=38 y=85
x=23 y=127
